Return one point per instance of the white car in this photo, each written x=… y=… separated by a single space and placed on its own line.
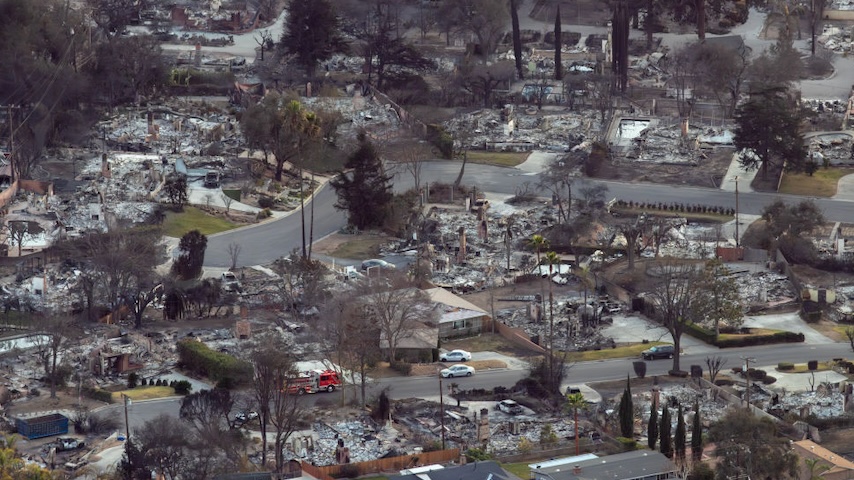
x=455 y=356
x=509 y=406
x=457 y=371
x=376 y=262
x=244 y=417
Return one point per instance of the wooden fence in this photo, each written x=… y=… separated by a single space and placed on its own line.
x=391 y=464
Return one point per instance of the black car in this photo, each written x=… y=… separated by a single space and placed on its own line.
x=659 y=351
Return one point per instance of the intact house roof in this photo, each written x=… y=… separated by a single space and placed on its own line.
x=452 y=307
x=488 y=470
x=836 y=462
x=638 y=464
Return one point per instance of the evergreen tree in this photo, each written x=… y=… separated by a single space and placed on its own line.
x=679 y=439
x=189 y=263
x=697 y=434
x=132 y=464
x=313 y=33
x=558 y=45
x=652 y=427
x=627 y=414
x=365 y=191
x=666 y=447
x=768 y=131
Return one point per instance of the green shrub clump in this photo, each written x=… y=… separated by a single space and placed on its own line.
x=200 y=359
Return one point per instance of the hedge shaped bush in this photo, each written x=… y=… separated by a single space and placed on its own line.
x=200 y=359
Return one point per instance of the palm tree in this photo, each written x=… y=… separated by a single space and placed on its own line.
x=575 y=401
x=539 y=243
x=815 y=468
x=552 y=259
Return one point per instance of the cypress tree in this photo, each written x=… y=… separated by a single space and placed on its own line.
x=627 y=414
x=558 y=44
x=666 y=447
x=517 y=38
x=697 y=434
x=652 y=427
x=679 y=439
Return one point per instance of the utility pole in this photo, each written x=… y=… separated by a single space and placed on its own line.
x=127 y=402
x=747 y=361
x=442 y=411
x=736 y=213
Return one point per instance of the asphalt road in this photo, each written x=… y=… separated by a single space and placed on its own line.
x=588 y=372
x=268 y=241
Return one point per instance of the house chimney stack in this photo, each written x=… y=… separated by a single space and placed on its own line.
x=576 y=470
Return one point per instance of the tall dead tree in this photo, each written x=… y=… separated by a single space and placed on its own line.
x=558 y=46
x=620 y=45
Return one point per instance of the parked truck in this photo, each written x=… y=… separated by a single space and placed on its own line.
x=44 y=426
x=313 y=381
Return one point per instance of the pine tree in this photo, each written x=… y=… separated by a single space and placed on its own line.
x=365 y=191
x=627 y=414
x=652 y=427
x=697 y=434
x=313 y=33
x=666 y=447
x=679 y=439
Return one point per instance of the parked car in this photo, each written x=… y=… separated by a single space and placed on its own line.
x=509 y=406
x=244 y=417
x=658 y=351
x=455 y=356
x=457 y=371
x=376 y=262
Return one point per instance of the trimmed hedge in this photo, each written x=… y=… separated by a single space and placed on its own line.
x=628 y=443
x=97 y=394
x=678 y=373
x=701 y=333
x=779 y=337
x=200 y=359
x=785 y=366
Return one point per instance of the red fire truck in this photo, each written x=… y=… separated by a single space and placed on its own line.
x=313 y=381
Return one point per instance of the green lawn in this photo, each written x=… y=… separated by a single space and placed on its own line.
x=502 y=159
x=144 y=393
x=822 y=183
x=177 y=224
x=521 y=470
x=753 y=332
x=633 y=350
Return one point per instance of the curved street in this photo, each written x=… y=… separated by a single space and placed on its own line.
x=263 y=243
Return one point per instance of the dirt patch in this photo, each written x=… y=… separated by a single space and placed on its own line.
x=613 y=389
x=355 y=247
x=66 y=399
x=706 y=174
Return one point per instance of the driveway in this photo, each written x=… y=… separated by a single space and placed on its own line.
x=790 y=322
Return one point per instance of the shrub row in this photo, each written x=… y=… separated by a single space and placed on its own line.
x=97 y=394
x=785 y=366
x=778 y=337
x=677 y=207
x=198 y=358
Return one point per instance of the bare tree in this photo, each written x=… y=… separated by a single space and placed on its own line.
x=672 y=298
x=278 y=405
x=633 y=231
x=398 y=309
x=21 y=230
x=265 y=42
x=352 y=336
x=50 y=345
x=234 y=249
x=302 y=283
x=411 y=160
x=146 y=289
x=227 y=201
x=715 y=364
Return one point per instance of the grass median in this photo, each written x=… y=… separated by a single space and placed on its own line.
x=621 y=351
